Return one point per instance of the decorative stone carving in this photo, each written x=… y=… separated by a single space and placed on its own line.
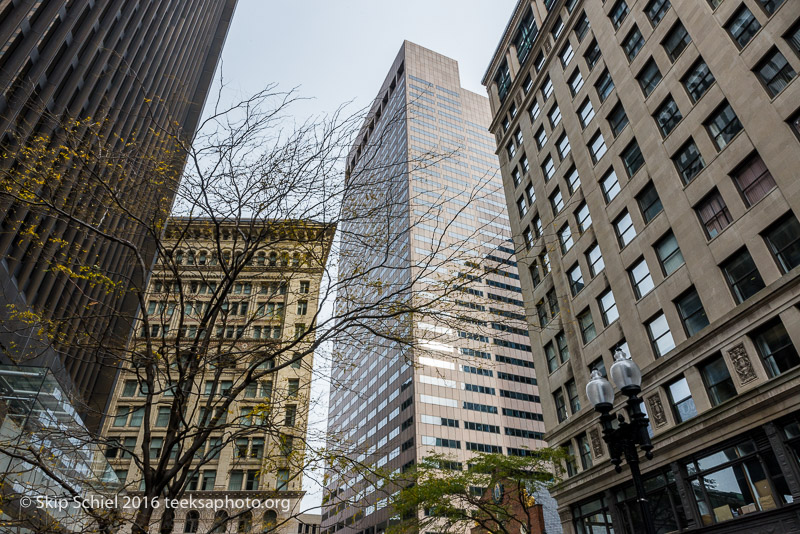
x=742 y=364
x=656 y=410
x=597 y=446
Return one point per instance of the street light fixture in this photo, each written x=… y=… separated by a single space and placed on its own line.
x=624 y=437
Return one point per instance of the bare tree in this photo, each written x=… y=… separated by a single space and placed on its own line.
x=217 y=330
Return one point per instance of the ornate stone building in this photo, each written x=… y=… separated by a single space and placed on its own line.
x=649 y=151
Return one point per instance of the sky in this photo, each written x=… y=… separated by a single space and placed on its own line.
x=339 y=51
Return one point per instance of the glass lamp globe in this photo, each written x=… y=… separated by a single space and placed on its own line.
x=600 y=391
x=625 y=373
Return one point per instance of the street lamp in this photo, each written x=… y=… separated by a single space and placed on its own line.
x=625 y=436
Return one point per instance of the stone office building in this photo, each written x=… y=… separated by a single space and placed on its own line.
x=134 y=66
x=650 y=151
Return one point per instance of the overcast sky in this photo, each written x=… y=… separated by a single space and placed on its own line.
x=337 y=51
x=341 y=50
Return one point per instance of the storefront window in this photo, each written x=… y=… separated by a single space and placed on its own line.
x=665 y=504
x=736 y=481
x=592 y=517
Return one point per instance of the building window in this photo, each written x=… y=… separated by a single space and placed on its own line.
x=697 y=80
x=688 y=161
x=776 y=348
x=525 y=36
x=541 y=312
x=572 y=396
x=743 y=26
x=618 y=13
x=655 y=10
x=690 y=309
x=617 y=119
x=610 y=186
x=572 y=179
x=534 y=110
x=550 y=353
x=503 y=81
x=584 y=450
x=547 y=88
x=566 y=55
x=586 y=324
x=649 y=77
x=754 y=180
x=717 y=380
x=604 y=86
x=770 y=5
x=632 y=158
x=561 y=405
x=784 y=241
x=723 y=125
x=558 y=27
x=595 y=260
x=667 y=116
x=565 y=238
x=575 y=278
x=592 y=517
x=528 y=238
x=537 y=226
x=633 y=43
x=794 y=38
x=583 y=217
x=548 y=168
x=530 y=194
x=592 y=55
x=660 y=336
x=538 y=62
x=713 y=214
x=676 y=41
x=586 y=112
x=669 y=254
x=640 y=278
x=624 y=228
x=597 y=146
x=522 y=207
x=649 y=202
x=511 y=149
x=541 y=138
x=557 y=202
x=600 y=366
x=742 y=275
x=575 y=82
x=581 y=27
x=554 y=116
x=552 y=301
x=680 y=398
x=775 y=72
x=608 y=307
x=562 y=145
x=535 y=277
x=739 y=479
x=563 y=348
x=572 y=467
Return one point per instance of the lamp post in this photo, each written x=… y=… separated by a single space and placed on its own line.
x=624 y=437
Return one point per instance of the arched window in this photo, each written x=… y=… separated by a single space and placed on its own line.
x=273 y=259
x=284 y=259
x=179 y=257
x=245 y=524
x=190 y=258
x=261 y=259
x=202 y=258
x=270 y=521
x=226 y=256
x=191 y=522
x=220 y=523
x=296 y=259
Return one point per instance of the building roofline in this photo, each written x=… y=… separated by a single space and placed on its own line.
x=502 y=40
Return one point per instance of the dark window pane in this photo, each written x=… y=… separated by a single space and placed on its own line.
x=676 y=41
x=655 y=10
x=714 y=214
x=668 y=116
x=776 y=349
x=649 y=77
x=775 y=72
x=743 y=26
x=754 y=180
x=632 y=158
x=633 y=43
x=723 y=125
x=698 y=80
x=784 y=240
x=718 y=380
x=742 y=275
x=688 y=161
x=649 y=202
x=669 y=254
x=691 y=311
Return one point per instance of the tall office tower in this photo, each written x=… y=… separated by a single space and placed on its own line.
x=247 y=392
x=649 y=150
x=141 y=70
x=466 y=383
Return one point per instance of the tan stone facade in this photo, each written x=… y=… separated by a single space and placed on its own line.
x=257 y=452
x=650 y=151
